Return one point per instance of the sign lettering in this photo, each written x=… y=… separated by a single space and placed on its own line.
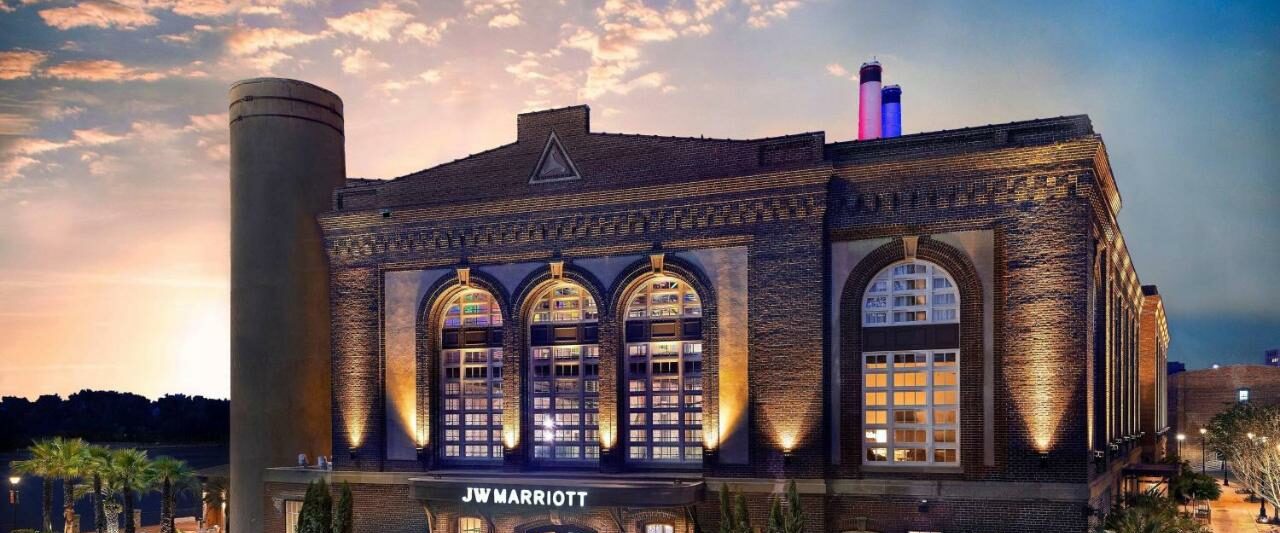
x=537 y=497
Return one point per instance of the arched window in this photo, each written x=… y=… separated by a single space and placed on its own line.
x=913 y=292
x=664 y=372
x=564 y=376
x=659 y=528
x=471 y=377
x=911 y=378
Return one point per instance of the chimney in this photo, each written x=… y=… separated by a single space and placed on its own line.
x=891 y=111
x=869 y=101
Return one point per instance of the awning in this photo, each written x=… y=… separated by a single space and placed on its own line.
x=526 y=491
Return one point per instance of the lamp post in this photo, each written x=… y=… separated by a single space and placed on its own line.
x=1202 y=432
x=1181 y=437
x=13 y=501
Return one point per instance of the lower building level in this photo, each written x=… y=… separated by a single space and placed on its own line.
x=590 y=502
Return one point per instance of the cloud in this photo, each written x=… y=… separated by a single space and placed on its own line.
x=94 y=137
x=249 y=41
x=358 y=60
x=101 y=70
x=12 y=167
x=261 y=10
x=426 y=34
x=427 y=77
x=215 y=122
x=430 y=77
x=505 y=20
x=624 y=28
x=211 y=130
x=19 y=153
x=16 y=124
x=187 y=37
x=265 y=61
x=15 y=64
x=837 y=70
x=762 y=13
x=99 y=14
x=57 y=113
x=373 y=24
x=205 y=8
x=36 y=146
x=501 y=13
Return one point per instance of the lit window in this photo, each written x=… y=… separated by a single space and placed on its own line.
x=471 y=372
x=1242 y=395
x=470 y=524
x=292 y=508
x=666 y=426
x=659 y=528
x=911 y=397
x=913 y=421
x=911 y=293
x=564 y=366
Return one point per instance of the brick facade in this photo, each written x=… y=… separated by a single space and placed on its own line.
x=1049 y=376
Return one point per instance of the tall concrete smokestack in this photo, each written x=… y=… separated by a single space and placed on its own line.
x=891 y=111
x=286 y=159
x=869 y=101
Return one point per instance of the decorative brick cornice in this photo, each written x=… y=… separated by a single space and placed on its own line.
x=488 y=237
x=893 y=195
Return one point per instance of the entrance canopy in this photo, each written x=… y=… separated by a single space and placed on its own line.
x=524 y=491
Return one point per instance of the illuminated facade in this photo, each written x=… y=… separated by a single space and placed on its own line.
x=593 y=332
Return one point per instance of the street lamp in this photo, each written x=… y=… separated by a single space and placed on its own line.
x=1181 y=437
x=1202 y=433
x=13 y=501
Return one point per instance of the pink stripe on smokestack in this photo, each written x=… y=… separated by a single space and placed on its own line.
x=869 y=101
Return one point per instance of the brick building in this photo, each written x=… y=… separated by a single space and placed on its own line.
x=586 y=331
x=1195 y=396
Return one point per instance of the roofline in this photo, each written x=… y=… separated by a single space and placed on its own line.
x=922 y=134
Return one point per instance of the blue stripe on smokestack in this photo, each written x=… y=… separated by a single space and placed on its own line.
x=891 y=111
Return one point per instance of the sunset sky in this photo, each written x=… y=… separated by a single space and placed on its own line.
x=113 y=151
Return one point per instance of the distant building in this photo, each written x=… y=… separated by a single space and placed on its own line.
x=1176 y=366
x=1272 y=357
x=1196 y=396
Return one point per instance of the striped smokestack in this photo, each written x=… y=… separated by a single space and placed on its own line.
x=869 y=101
x=891 y=111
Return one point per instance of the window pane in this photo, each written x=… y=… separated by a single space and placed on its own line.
x=472 y=379
x=658 y=372
x=908 y=379
x=920 y=390
x=565 y=380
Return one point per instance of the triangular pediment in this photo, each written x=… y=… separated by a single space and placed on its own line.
x=555 y=164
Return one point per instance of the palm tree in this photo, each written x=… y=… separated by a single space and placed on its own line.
x=70 y=461
x=98 y=463
x=172 y=475
x=42 y=464
x=130 y=472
